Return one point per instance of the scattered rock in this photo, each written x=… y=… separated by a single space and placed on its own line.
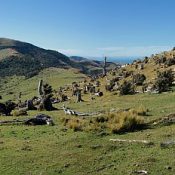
x=103 y=133
x=95 y=146
x=141 y=172
x=64 y=129
x=166 y=121
x=79 y=146
x=168 y=167
x=66 y=165
x=40 y=119
x=167 y=144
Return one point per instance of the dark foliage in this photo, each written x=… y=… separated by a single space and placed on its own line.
x=161 y=60
x=19 y=66
x=170 y=62
x=127 y=74
x=47 y=89
x=126 y=88
x=138 y=79
x=164 y=80
x=6 y=108
x=146 y=59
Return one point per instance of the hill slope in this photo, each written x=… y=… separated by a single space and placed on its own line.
x=20 y=58
x=56 y=150
x=94 y=66
x=149 y=67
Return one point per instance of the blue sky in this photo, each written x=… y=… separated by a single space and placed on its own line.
x=116 y=28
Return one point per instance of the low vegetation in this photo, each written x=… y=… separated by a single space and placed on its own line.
x=126 y=121
x=81 y=144
x=127 y=88
x=118 y=122
x=138 y=79
x=21 y=112
x=164 y=80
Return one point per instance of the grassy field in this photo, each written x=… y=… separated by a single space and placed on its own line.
x=52 y=150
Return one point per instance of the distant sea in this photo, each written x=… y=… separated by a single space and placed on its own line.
x=120 y=60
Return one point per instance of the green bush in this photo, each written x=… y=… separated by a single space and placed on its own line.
x=164 y=80
x=127 y=88
x=138 y=79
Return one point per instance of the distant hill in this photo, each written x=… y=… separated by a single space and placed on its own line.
x=118 y=59
x=21 y=58
x=78 y=58
x=93 y=66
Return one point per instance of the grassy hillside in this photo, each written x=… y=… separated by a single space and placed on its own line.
x=50 y=150
x=28 y=87
x=24 y=59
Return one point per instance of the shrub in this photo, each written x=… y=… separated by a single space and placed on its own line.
x=146 y=59
x=170 y=62
x=161 y=60
x=138 y=79
x=127 y=74
x=127 y=88
x=47 y=89
x=164 y=80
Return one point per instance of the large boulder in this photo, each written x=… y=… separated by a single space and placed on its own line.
x=40 y=119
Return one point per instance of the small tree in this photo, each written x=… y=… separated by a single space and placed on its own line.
x=47 y=89
x=138 y=79
x=126 y=88
x=46 y=103
x=164 y=80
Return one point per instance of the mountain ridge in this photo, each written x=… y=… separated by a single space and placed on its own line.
x=22 y=58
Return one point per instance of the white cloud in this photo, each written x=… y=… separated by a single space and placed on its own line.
x=71 y=52
x=120 y=51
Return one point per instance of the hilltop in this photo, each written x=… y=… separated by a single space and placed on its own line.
x=147 y=73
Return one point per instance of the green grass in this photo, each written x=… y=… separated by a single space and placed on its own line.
x=11 y=86
x=50 y=150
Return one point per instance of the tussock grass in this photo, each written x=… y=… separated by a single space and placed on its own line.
x=76 y=124
x=124 y=121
